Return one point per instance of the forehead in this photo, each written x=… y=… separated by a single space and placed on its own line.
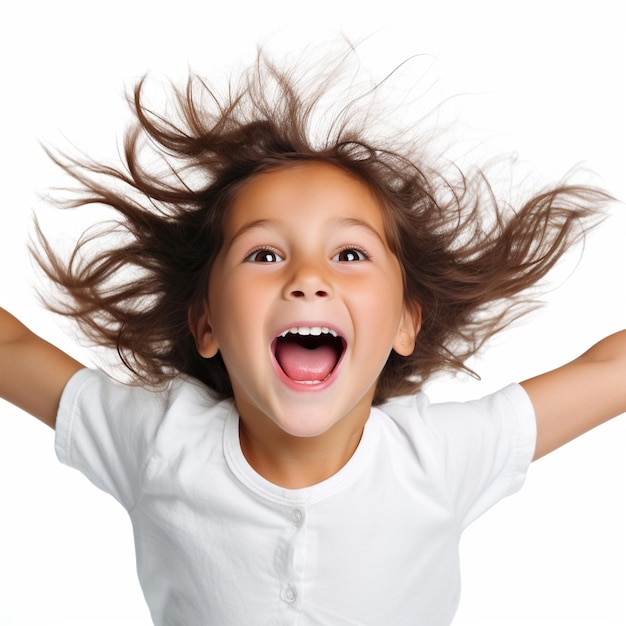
x=304 y=190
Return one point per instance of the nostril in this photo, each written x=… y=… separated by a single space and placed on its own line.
x=296 y=293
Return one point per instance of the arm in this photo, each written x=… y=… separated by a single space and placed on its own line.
x=573 y=399
x=33 y=372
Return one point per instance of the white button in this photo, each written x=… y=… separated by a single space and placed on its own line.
x=290 y=594
x=297 y=516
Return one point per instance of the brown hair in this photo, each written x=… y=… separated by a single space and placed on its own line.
x=467 y=259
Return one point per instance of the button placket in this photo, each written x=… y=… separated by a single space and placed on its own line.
x=292 y=559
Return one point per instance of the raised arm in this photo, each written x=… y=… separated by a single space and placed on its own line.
x=33 y=372
x=573 y=399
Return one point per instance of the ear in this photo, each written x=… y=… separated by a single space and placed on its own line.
x=200 y=325
x=409 y=328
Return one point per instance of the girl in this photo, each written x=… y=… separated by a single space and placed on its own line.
x=281 y=294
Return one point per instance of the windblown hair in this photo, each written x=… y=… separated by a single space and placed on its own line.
x=467 y=259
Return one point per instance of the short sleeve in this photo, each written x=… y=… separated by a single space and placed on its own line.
x=472 y=453
x=487 y=447
x=105 y=429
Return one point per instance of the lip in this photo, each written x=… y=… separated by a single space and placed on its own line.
x=307 y=387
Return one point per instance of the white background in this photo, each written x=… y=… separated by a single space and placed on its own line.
x=544 y=79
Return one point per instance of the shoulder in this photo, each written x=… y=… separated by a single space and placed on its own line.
x=458 y=435
x=92 y=389
x=95 y=406
x=507 y=405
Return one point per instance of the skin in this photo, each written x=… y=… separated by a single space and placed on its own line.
x=305 y=245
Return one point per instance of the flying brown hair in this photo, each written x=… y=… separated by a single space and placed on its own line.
x=468 y=260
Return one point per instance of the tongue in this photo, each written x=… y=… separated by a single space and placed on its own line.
x=303 y=364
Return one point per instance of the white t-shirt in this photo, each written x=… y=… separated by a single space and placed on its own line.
x=217 y=544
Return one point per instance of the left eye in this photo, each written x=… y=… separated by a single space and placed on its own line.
x=264 y=256
x=350 y=255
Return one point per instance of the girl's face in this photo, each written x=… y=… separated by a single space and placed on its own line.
x=305 y=301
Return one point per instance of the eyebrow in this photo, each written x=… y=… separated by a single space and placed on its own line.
x=354 y=221
x=262 y=223
x=344 y=221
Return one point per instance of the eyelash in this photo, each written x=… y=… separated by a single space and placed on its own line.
x=361 y=254
x=266 y=252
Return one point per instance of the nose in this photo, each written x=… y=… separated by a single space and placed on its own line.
x=307 y=282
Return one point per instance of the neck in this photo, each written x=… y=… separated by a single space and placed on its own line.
x=297 y=462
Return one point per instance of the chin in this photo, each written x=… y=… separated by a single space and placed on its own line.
x=305 y=430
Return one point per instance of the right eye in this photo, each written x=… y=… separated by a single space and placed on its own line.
x=264 y=255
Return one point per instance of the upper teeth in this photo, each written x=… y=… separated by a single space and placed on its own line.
x=309 y=330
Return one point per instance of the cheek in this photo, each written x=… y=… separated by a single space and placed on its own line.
x=379 y=305
x=238 y=307
x=387 y=291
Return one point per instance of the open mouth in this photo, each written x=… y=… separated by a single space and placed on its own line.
x=308 y=355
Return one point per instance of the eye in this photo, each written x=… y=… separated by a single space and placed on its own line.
x=264 y=255
x=349 y=255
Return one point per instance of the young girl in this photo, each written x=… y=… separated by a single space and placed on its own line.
x=281 y=293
